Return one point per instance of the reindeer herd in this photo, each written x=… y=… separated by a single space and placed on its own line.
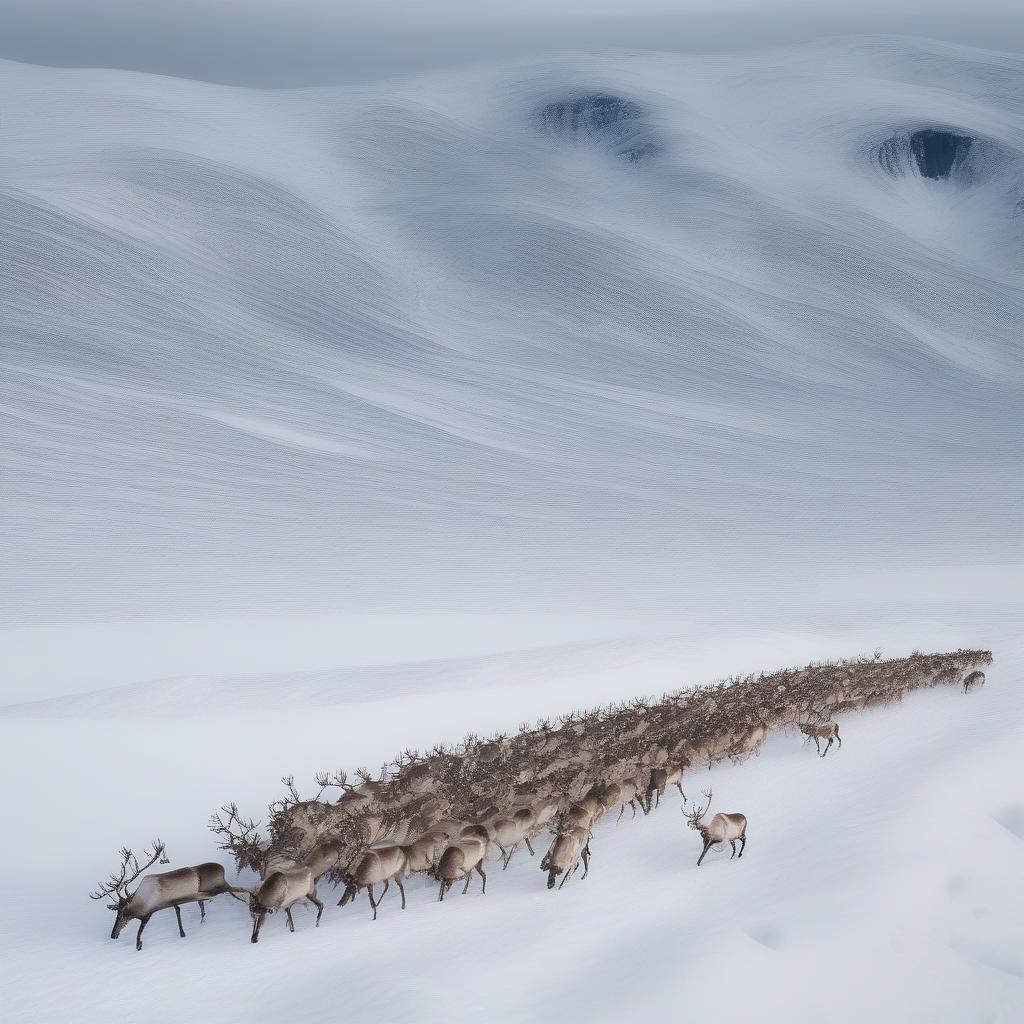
x=442 y=813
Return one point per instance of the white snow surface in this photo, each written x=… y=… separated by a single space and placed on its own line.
x=397 y=346
x=337 y=421
x=881 y=882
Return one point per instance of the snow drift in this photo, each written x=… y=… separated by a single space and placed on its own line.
x=450 y=340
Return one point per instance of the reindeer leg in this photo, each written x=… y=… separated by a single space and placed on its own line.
x=743 y=844
x=732 y=843
x=257 y=925
x=533 y=853
x=291 y=923
x=504 y=857
x=511 y=854
x=233 y=891
x=387 y=884
x=440 y=895
x=319 y=907
x=586 y=861
x=480 y=869
x=369 y=892
x=177 y=914
x=679 y=786
x=138 y=935
x=707 y=846
x=622 y=811
x=565 y=878
x=401 y=889
x=838 y=737
x=469 y=878
x=817 y=746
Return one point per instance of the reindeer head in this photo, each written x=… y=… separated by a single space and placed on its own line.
x=694 y=817
x=117 y=885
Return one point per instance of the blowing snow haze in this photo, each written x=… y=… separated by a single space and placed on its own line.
x=619 y=329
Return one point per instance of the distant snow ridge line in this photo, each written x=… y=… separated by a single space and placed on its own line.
x=450 y=806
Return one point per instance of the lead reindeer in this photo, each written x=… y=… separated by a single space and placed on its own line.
x=826 y=731
x=723 y=828
x=281 y=890
x=160 y=891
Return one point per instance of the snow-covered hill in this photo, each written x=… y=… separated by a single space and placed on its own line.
x=667 y=331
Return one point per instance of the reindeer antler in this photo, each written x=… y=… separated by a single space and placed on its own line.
x=240 y=836
x=130 y=870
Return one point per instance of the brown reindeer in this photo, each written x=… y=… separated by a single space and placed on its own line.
x=508 y=832
x=585 y=813
x=826 y=731
x=460 y=859
x=377 y=866
x=973 y=679
x=563 y=858
x=160 y=891
x=281 y=890
x=661 y=779
x=723 y=828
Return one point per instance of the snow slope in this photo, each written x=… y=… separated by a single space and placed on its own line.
x=879 y=883
x=341 y=420
x=648 y=328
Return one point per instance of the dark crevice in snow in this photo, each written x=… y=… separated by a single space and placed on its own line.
x=935 y=153
x=601 y=119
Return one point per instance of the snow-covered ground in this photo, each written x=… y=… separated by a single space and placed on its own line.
x=336 y=421
x=880 y=883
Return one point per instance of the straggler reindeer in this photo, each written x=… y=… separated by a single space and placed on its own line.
x=564 y=856
x=973 y=679
x=160 y=891
x=281 y=890
x=374 y=868
x=461 y=858
x=724 y=828
x=828 y=731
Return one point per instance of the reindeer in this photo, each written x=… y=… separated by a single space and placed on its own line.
x=160 y=891
x=619 y=794
x=585 y=813
x=507 y=832
x=563 y=858
x=460 y=859
x=973 y=679
x=724 y=828
x=661 y=779
x=281 y=890
x=376 y=866
x=826 y=731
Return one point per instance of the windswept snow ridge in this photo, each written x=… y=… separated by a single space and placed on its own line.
x=440 y=341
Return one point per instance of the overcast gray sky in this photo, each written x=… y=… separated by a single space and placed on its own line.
x=303 y=42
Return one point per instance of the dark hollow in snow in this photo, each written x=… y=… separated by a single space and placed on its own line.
x=935 y=153
x=602 y=119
